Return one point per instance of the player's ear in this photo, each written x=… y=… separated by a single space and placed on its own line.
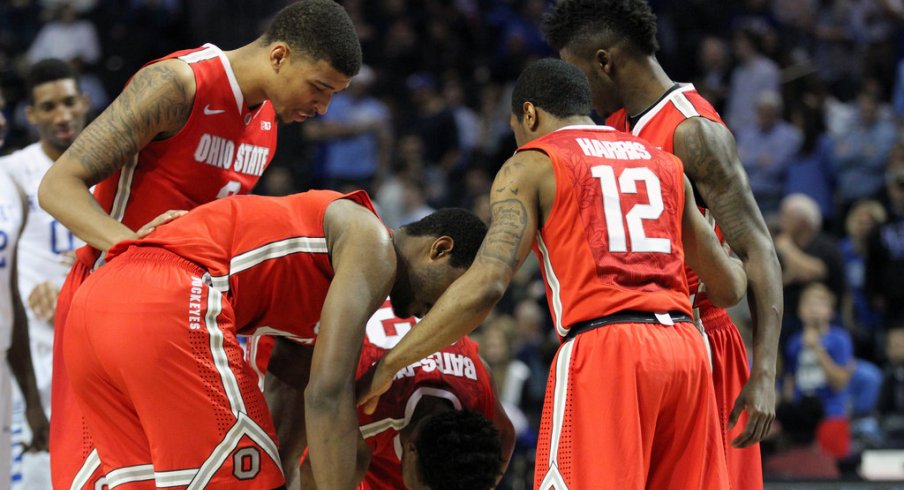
x=442 y=247
x=602 y=61
x=279 y=55
x=530 y=116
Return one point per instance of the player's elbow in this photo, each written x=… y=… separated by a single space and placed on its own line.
x=732 y=291
x=325 y=396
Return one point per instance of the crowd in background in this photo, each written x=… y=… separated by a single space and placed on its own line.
x=813 y=91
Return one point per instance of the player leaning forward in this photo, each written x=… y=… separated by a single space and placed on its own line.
x=630 y=402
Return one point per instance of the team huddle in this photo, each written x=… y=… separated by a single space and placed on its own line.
x=358 y=371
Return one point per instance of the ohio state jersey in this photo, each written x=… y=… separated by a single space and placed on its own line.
x=657 y=125
x=276 y=271
x=222 y=150
x=455 y=373
x=612 y=241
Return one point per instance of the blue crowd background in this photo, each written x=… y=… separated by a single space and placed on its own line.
x=813 y=91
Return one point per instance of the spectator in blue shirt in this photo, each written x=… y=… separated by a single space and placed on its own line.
x=819 y=362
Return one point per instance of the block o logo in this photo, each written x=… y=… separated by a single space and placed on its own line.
x=246 y=463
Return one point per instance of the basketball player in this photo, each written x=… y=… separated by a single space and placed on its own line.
x=153 y=353
x=462 y=451
x=190 y=128
x=612 y=220
x=614 y=43
x=58 y=110
x=15 y=350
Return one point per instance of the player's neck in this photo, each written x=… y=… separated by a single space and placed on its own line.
x=646 y=82
x=243 y=61
x=52 y=152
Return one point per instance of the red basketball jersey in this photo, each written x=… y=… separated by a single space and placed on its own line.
x=222 y=150
x=275 y=271
x=455 y=373
x=613 y=238
x=658 y=127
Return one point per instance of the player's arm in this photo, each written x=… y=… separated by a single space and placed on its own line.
x=284 y=385
x=710 y=159
x=364 y=262
x=514 y=205
x=19 y=357
x=723 y=275
x=155 y=104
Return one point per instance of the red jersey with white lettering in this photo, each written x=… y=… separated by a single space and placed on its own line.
x=658 y=127
x=455 y=373
x=612 y=241
x=275 y=272
x=222 y=150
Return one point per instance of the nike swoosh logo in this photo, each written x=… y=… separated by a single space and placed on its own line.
x=210 y=112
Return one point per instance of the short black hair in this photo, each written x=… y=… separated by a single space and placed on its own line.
x=49 y=70
x=575 y=23
x=322 y=30
x=459 y=450
x=463 y=226
x=555 y=86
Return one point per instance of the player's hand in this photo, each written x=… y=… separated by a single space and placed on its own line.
x=758 y=399
x=371 y=385
x=159 y=220
x=40 y=428
x=43 y=300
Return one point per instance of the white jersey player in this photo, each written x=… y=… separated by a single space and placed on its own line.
x=57 y=109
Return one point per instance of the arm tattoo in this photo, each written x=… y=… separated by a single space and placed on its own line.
x=505 y=173
x=155 y=101
x=710 y=161
x=506 y=232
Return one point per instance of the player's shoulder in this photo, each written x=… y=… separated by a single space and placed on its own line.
x=168 y=73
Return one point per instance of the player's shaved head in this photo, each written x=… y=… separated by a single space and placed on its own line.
x=554 y=86
x=464 y=227
x=322 y=30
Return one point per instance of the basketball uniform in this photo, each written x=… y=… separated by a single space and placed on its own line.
x=155 y=361
x=10 y=226
x=621 y=396
x=221 y=151
x=729 y=355
x=46 y=251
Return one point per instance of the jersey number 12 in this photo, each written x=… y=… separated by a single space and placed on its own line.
x=612 y=207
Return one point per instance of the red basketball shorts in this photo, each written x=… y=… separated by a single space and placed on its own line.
x=730 y=374
x=631 y=406
x=158 y=372
x=72 y=456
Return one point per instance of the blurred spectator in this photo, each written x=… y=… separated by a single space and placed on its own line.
x=410 y=164
x=858 y=313
x=713 y=71
x=496 y=339
x=66 y=37
x=898 y=94
x=891 y=399
x=754 y=74
x=766 y=150
x=819 y=362
x=807 y=255
x=885 y=257
x=357 y=135
x=414 y=201
x=860 y=152
x=466 y=120
x=800 y=456
x=434 y=121
x=810 y=173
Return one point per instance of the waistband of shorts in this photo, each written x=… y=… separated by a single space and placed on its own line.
x=629 y=316
x=714 y=318
x=161 y=255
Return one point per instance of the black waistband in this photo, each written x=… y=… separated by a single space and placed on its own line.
x=628 y=316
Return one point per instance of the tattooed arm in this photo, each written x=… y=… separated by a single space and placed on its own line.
x=711 y=161
x=515 y=206
x=154 y=105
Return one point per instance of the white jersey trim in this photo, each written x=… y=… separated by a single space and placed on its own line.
x=281 y=248
x=128 y=474
x=374 y=428
x=218 y=352
x=121 y=200
x=658 y=107
x=587 y=127
x=92 y=463
x=683 y=104
x=244 y=426
x=230 y=75
x=553 y=478
x=209 y=51
x=554 y=286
